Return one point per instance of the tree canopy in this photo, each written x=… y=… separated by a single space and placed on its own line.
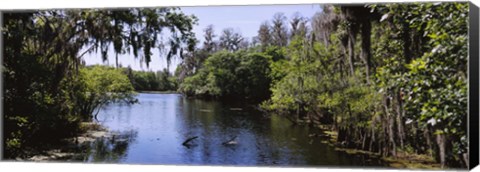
x=390 y=79
x=405 y=92
x=43 y=64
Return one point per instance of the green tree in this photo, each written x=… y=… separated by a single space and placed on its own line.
x=279 y=30
x=295 y=92
x=43 y=54
x=166 y=82
x=231 y=75
x=265 y=35
x=101 y=86
x=230 y=40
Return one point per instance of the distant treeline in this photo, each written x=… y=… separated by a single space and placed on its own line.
x=151 y=81
x=48 y=90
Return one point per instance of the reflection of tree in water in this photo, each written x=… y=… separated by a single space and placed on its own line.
x=108 y=149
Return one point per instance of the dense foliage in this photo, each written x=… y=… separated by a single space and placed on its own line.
x=404 y=92
x=151 y=81
x=47 y=91
x=240 y=74
x=101 y=86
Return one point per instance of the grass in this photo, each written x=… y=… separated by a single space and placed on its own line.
x=412 y=161
x=91 y=126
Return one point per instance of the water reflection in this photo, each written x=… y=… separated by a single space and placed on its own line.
x=109 y=149
x=157 y=127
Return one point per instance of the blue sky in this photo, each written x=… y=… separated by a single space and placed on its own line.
x=243 y=19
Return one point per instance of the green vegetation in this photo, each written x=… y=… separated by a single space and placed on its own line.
x=231 y=75
x=404 y=92
x=151 y=81
x=48 y=90
x=101 y=86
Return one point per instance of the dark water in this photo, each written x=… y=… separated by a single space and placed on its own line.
x=152 y=132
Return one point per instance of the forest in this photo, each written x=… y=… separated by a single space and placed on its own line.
x=161 y=80
x=390 y=79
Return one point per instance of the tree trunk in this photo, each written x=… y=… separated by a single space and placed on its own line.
x=297 y=115
x=441 y=148
x=380 y=147
x=325 y=38
x=335 y=127
x=400 y=127
x=366 y=49
x=406 y=42
x=383 y=135
x=98 y=111
x=116 y=60
x=364 y=140
x=390 y=125
x=426 y=134
x=391 y=137
x=351 y=51
x=372 y=138
x=415 y=143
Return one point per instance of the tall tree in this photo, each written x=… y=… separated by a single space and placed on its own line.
x=324 y=23
x=279 y=30
x=50 y=45
x=298 y=26
x=209 y=44
x=359 y=20
x=230 y=40
x=265 y=34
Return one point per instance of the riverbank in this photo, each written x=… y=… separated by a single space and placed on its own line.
x=159 y=92
x=72 y=147
x=402 y=161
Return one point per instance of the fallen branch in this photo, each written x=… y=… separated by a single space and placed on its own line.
x=231 y=141
x=185 y=143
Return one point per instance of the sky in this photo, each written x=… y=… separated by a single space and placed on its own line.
x=243 y=19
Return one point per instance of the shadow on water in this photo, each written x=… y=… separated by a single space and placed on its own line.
x=110 y=149
x=155 y=130
x=261 y=141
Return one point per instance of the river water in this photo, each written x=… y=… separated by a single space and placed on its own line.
x=152 y=132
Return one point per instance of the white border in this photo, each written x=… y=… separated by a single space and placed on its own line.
x=48 y=4
x=7 y=5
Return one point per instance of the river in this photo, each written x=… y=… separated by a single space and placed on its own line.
x=152 y=132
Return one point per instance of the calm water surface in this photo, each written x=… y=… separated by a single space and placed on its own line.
x=152 y=132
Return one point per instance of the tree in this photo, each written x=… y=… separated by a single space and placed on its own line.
x=43 y=55
x=434 y=83
x=358 y=19
x=264 y=34
x=230 y=40
x=145 y=81
x=102 y=86
x=324 y=23
x=279 y=30
x=298 y=26
x=231 y=75
x=409 y=94
x=296 y=92
x=209 y=44
x=166 y=80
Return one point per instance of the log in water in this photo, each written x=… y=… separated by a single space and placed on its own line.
x=158 y=127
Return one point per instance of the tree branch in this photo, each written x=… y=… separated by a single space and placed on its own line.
x=185 y=143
